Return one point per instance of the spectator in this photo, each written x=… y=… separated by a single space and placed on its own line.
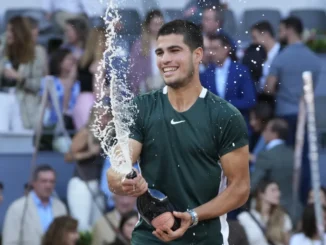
x=268 y=166
x=1 y=192
x=263 y=34
x=22 y=65
x=227 y=79
x=127 y=225
x=259 y=117
x=62 y=231
x=267 y=223
x=63 y=69
x=29 y=217
x=286 y=83
x=212 y=23
x=87 y=70
x=144 y=74
x=285 y=77
x=309 y=234
x=85 y=150
x=102 y=231
x=76 y=33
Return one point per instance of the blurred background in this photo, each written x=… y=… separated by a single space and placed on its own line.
x=254 y=55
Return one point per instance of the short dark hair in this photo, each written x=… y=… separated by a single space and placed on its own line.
x=192 y=35
x=126 y=217
x=219 y=12
x=226 y=42
x=280 y=127
x=41 y=168
x=56 y=59
x=263 y=111
x=1 y=186
x=262 y=27
x=294 y=23
x=217 y=36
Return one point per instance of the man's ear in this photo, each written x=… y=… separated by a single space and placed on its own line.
x=198 y=54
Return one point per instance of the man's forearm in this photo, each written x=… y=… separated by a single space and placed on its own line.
x=233 y=197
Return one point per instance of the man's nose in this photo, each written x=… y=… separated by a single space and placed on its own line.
x=166 y=58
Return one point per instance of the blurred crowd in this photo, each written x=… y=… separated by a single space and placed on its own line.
x=265 y=84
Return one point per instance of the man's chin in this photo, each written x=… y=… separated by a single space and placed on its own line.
x=173 y=84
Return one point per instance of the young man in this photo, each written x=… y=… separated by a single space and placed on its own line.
x=262 y=33
x=192 y=145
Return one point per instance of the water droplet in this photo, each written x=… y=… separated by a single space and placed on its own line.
x=239 y=41
x=233 y=144
x=194 y=234
x=246 y=32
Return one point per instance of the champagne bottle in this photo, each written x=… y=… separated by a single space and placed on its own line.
x=155 y=208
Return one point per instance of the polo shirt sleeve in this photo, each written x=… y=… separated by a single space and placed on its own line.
x=275 y=68
x=233 y=132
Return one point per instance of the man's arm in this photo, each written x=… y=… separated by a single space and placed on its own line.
x=115 y=179
x=235 y=166
x=270 y=87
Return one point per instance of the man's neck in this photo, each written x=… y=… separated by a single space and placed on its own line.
x=44 y=200
x=294 y=39
x=269 y=45
x=183 y=98
x=221 y=63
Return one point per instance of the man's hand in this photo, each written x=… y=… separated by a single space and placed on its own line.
x=134 y=187
x=167 y=235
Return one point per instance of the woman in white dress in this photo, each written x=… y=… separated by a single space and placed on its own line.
x=309 y=234
x=267 y=223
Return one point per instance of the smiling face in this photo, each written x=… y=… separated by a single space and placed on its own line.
x=177 y=63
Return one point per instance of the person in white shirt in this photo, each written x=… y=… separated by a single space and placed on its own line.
x=267 y=223
x=262 y=34
x=309 y=234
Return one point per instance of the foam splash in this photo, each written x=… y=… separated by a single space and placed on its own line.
x=120 y=96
